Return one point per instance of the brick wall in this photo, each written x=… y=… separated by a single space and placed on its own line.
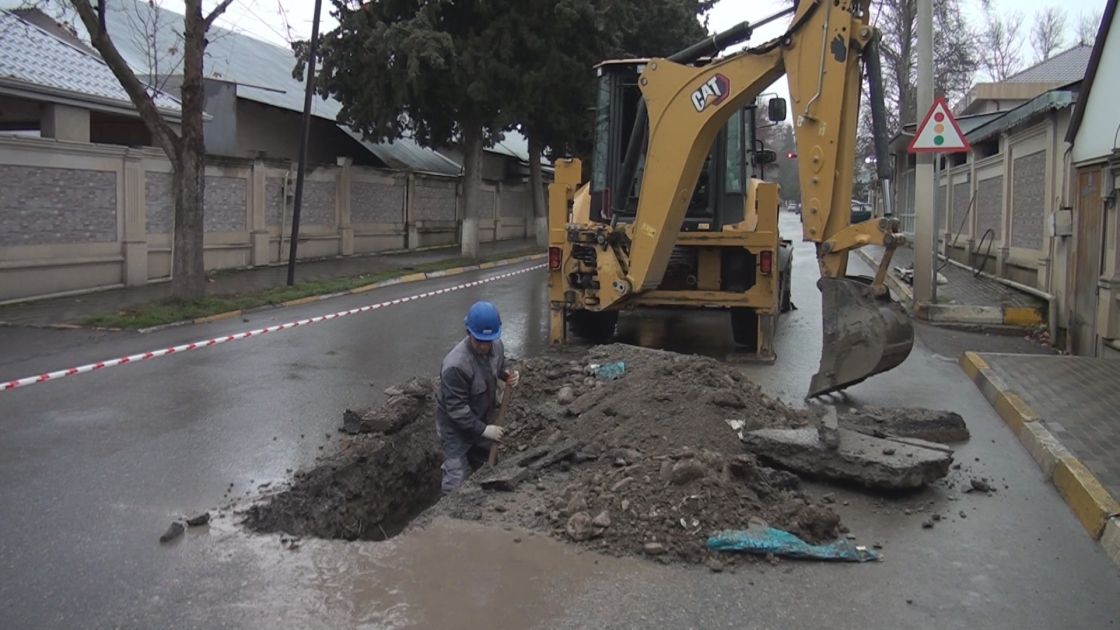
x=486 y=204
x=516 y=202
x=435 y=200
x=227 y=204
x=377 y=203
x=961 y=198
x=42 y=206
x=989 y=207
x=1028 y=200
x=319 y=204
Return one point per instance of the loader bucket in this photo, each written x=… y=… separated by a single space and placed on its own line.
x=863 y=334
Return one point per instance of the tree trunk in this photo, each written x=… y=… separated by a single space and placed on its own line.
x=472 y=188
x=188 y=274
x=536 y=185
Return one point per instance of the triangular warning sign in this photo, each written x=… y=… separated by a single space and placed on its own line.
x=939 y=132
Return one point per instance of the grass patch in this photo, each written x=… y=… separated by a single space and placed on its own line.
x=172 y=310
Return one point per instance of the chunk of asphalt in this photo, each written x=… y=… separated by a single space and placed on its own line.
x=197 y=521
x=174 y=531
x=859 y=458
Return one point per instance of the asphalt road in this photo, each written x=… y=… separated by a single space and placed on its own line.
x=93 y=468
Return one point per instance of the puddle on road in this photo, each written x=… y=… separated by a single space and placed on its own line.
x=449 y=574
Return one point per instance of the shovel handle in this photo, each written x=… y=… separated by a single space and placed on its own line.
x=507 y=395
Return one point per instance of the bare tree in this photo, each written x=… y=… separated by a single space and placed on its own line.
x=1087 y=27
x=1048 y=32
x=955 y=55
x=184 y=148
x=1001 y=44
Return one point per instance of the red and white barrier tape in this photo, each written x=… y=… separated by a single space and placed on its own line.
x=144 y=356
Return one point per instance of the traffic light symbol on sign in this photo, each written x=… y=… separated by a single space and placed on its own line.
x=939 y=132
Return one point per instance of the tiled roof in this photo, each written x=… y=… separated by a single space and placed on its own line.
x=1065 y=67
x=34 y=61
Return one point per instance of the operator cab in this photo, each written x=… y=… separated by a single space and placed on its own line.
x=719 y=196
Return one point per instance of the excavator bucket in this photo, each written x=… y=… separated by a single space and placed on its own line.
x=864 y=334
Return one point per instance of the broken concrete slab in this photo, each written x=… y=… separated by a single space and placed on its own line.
x=919 y=443
x=933 y=425
x=858 y=459
x=557 y=453
x=505 y=480
x=829 y=428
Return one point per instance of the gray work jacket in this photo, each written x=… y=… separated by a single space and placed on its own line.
x=468 y=389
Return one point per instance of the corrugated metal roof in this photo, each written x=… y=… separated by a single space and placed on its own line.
x=1049 y=101
x=1064 y=67
x=35 y=61
x=406 y=154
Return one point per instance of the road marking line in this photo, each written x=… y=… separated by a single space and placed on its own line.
x=206 y=343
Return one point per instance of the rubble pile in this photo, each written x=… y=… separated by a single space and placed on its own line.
x=616 y=448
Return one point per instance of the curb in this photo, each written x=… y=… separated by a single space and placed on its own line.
x=405 y=279
x=1018 y=316
x=1094 y=507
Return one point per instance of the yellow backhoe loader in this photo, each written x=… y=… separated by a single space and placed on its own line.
x=676 y=214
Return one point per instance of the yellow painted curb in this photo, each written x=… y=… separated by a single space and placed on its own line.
x=1089 y=500
x=217 y=317
x=1093 y=506
x=1022 y=316
x=299 y=301
x=1043 y=446
x=1110 y=540
x=972 y=364
x=412 y=277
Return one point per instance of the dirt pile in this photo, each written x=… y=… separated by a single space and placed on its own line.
x=375 y=485
x=617 y=448
x=646 y=463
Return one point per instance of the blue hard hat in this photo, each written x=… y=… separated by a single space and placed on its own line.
x=483 y=321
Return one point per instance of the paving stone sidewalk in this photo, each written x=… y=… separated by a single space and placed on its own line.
x=73 y=310
x=963 y=287
x=1078 y=399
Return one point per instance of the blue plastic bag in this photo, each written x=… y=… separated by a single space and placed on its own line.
x=611 y=371
x=769 y=540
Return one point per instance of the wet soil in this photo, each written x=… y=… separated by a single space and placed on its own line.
x=643 y=460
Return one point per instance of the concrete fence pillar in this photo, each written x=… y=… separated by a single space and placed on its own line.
x=412 y=230
x=497 y=211
x=135 y=245
x=258 y=223
x=345 y=229
x=1005 y=219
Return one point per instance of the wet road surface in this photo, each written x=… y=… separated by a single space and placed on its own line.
x=92 y=469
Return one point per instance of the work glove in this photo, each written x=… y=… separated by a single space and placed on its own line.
x=512 y=378
x=493 y=433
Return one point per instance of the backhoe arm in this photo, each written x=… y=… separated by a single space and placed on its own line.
x=686 y=107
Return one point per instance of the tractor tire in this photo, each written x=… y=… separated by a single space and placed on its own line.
x=593 y=326
x=744 y=328
x=786 y=304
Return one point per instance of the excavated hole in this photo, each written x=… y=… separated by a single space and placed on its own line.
x=371 y=490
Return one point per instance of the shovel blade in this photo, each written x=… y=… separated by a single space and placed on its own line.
x=864 y=334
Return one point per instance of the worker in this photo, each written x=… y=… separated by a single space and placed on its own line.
x=468 y=397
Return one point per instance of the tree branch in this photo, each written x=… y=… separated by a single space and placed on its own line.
x=94 y=21
x=218 y=10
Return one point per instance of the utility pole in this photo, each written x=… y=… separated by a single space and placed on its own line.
x=310 y=90
x=924 y=233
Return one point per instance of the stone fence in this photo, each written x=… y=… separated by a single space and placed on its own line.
x=78 y=216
